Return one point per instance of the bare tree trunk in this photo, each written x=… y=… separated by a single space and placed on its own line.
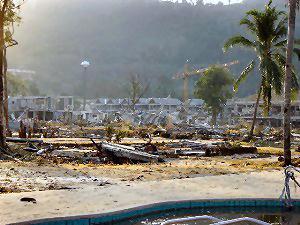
x=5 y=92
x=255 y=113
x=214 y=117
x=287 y=84
x=2 y=129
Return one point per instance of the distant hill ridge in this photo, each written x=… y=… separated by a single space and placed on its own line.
x=121 y=37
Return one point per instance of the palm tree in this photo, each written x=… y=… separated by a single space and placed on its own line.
x=268 y=32
x=288 y=82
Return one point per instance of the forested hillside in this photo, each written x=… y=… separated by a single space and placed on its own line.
x=121 y=37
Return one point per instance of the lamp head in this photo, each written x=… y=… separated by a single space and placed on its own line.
x=85 y=64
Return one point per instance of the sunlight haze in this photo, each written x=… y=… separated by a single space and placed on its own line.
x=212 y=1
x=149 y=112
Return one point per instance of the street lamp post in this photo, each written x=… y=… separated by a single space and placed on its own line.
x=85 y=65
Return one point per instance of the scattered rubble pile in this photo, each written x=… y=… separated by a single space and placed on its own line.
x=106 y=152
x=145 y=151
x=189 y=148
x=123 y=142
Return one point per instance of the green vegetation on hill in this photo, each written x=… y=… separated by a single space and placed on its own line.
x=119 y=37
x=17 y=86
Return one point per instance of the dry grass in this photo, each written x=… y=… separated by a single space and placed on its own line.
x=274 y=151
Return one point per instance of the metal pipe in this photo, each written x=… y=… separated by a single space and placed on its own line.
x=286 y=193
x=290 y=168
x=190 y=219
x=218 y=221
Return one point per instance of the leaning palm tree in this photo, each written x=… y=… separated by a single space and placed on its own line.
x=268 y=31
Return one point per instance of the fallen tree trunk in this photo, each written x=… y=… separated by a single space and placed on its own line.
x=23 y=140
x=130 y=153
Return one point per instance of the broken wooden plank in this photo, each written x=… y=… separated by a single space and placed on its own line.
x=28 y=149
x=190 y=152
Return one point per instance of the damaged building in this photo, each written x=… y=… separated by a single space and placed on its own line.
x=41 y=107
x=144 y=104
x=238 y=109
x=168 y=104
x=103 y=107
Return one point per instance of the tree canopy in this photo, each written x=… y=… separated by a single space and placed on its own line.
x=268 y=30
x=214 y=87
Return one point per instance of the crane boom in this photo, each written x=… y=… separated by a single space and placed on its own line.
x=200 y=71
x=187 y=74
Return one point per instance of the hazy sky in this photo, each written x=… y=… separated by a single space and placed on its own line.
x=224 y=1
x=214 y=1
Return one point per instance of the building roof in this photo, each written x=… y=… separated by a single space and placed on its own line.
x=111 y=101
x=142 y=101
x=38 y=97
x=196 y=102
x=159 y=101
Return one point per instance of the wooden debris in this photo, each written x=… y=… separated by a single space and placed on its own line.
x=23 y=140
x=121 y=151
x=190 y=152
x=28 y=149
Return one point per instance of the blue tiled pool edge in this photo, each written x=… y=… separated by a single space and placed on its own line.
x=155 y=208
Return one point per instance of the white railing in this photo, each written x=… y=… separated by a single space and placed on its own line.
x=191 y=219
x=215 y=220
x=243 y=219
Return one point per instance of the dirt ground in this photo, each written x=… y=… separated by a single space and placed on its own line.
x=51 y=173
x=44 y=175
x=62 y=187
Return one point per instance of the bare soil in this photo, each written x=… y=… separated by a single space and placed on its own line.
x=43 y=174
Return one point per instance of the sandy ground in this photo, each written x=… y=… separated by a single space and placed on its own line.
x=98 y=199
x=73 y=189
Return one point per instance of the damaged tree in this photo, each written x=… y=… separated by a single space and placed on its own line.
x=8 y=15
x=137 y=90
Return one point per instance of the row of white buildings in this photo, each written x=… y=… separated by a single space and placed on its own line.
x=54 y=108
x=144 y=104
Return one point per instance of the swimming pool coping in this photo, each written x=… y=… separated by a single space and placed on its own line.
x=139 y=211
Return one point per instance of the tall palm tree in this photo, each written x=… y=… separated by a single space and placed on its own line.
x=268 y=31
x=288 y=82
